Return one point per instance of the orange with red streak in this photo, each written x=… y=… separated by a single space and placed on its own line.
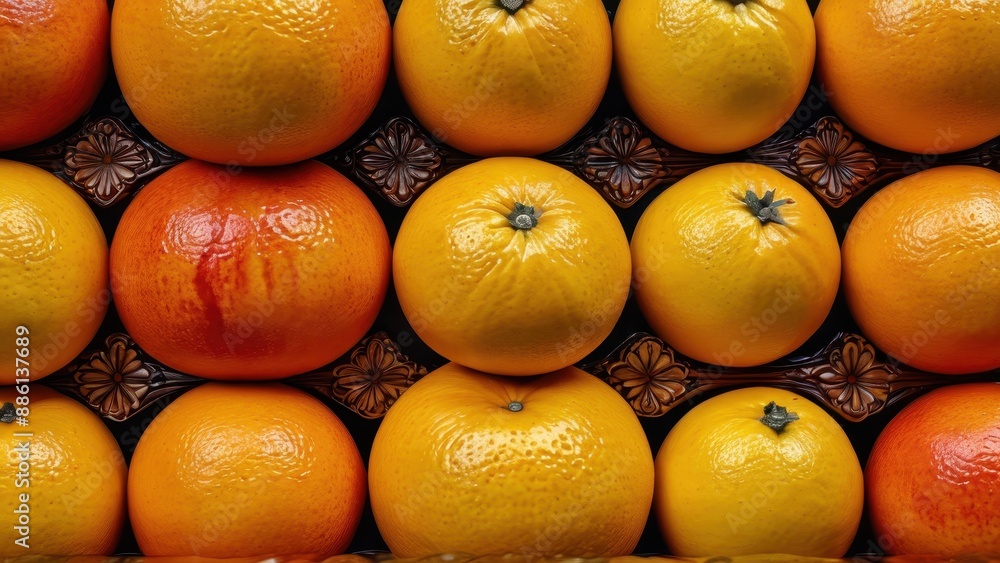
x=933 y=478
x=258 y=275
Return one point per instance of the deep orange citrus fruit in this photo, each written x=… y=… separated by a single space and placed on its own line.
x=53 y=272
x=916 y=76
x=260 y=275
x=503 y=78
x=921 y=263
x=512 y=266
x=237 y=81
x=55 y=60
x=75 y=479
x=234 y=470
x=735 y=265
x=932 y=475
x=537 y=467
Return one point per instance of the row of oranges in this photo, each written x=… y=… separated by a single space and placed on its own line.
x=471 y=463
x=213 y=79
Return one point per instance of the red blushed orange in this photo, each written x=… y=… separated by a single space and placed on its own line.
x=933 y=478
x=258 y=275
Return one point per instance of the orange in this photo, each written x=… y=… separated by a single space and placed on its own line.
x=260 y=275
x=235 y=81
x=932 y=475
x=920 y=269
x=511 y=266
x=238 y=470
x=509 y=77
x=915 y=76
x=755 y=471
x=714 y=76
x=55 y=60
x=726 y=278
x=53 y=273
x=537 y=467
x=75 y=484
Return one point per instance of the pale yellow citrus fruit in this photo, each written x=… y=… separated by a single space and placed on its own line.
x=512 y=266
x=53 y=271
x=503 y=78
x=551 y=465
x=76 y=483
x=714 y=76
x=728 y=285
x=734 y=477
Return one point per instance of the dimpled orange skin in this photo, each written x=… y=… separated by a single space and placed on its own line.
x=76 y=494
x=721 y=286
x=454 y=469
x=251 y=83
x=503 y=300
x=915 y=76
x=921 y=262
x=55 y=60
x=261 y=275
x=932 y=475
x=53 y=271
x=494 y=83
x=714 y=76
x=726 y=483
x=236 y=470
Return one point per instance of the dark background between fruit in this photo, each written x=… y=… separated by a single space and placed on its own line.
x=391 y=319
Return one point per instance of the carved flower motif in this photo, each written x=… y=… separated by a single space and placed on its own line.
x=833 y=161
x=376 y=375
x=648 y=376
x=854 y=381
x=106 y=160
x=114 y=381
x=623 y=161
x=400 y=160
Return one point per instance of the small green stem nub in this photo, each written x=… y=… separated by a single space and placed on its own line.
x=777 y=418
x=766 y=208
x=515 y=406
x=511 y=6
x=523 y=217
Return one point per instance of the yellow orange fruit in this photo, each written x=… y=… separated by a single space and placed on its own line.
x=259 y=275
x=915 y=76
x=725 y=278
x=920 y=269
x=73 y=475
x=232 y=81
x=739 y=475
x=932 y=475
x=536 y=467
x=714 y=76
x=53 y=272
x=55 y=60
x=238 y=470
x=503 y=78
x=511 y=266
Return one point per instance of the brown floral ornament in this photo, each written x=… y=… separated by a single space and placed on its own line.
x=398 y=160
x=374 y=376
x=117 y=381
x=847 y=376
x=106 y=161
x=647 y=376
x=835 y=163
